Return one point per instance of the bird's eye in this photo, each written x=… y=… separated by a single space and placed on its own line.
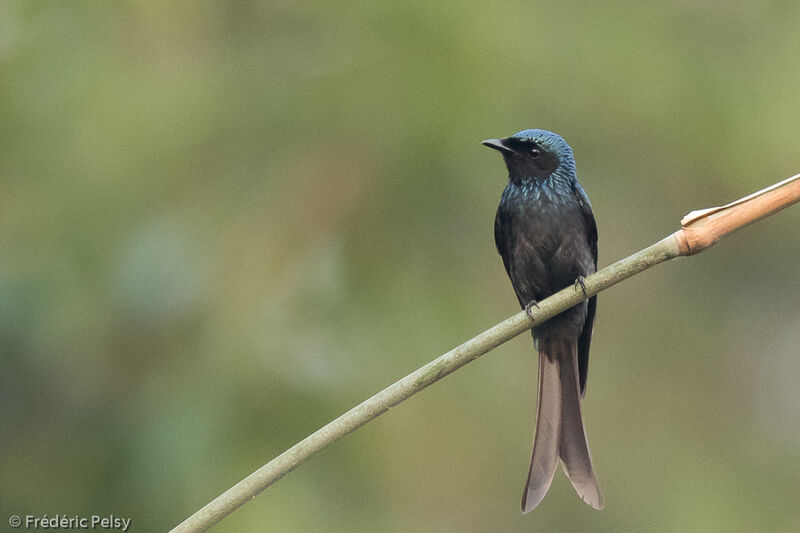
x=535 y=153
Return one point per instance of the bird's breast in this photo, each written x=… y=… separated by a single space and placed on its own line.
x=536 y=204
x=541 y=219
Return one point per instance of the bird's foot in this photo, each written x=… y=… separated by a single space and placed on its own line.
x=530 y=305
x=580 y=283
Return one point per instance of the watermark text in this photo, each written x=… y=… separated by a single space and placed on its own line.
x=64 y=521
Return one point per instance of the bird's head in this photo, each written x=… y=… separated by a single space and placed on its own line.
x=535 y=154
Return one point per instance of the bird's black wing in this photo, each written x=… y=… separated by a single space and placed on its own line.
x=504 y=240
x=502 y=230
x=588 y=216
x=585 y=340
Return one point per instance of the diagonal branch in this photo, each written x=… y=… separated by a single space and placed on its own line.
x=700 y=229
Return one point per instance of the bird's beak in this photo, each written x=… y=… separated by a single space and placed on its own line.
x=498 y=145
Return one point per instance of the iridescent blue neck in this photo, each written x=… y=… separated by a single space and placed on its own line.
x=563 y=176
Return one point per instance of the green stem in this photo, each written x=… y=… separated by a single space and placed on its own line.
x=459 y=356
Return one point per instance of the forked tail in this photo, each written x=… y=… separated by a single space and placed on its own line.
x=559 y=429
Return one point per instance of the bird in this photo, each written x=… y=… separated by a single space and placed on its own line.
x=546 y=234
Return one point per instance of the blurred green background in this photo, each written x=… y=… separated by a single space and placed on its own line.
x=223 y=224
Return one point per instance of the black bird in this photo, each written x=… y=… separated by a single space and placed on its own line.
x=547 y=236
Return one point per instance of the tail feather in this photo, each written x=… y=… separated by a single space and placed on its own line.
x=559 y=430
x=544 y=458
x=573 y=445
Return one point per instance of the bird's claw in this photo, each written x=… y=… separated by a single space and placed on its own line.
x=580 y=283
x=530 y=305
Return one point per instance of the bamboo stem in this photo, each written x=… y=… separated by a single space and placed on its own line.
x=700 y=230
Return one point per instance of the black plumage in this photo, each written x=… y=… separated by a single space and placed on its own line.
x=546 y=234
